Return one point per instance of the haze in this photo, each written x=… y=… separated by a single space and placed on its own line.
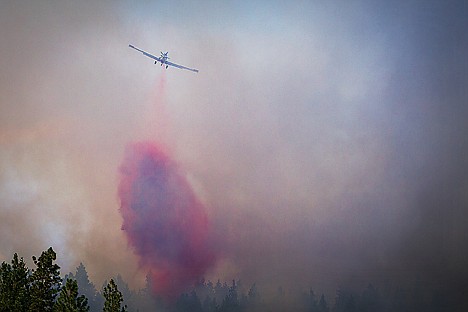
x=327 y=141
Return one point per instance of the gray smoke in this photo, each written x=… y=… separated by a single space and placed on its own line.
x=327 y=140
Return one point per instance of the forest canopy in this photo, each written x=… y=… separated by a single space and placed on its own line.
x=42 y=288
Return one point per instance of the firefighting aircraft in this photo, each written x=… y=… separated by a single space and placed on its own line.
x=163 y=59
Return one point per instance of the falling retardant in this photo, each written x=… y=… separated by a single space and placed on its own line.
x=163 y=220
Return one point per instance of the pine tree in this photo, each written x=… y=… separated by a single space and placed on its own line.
x=113 y=298
x=45 y=282
x=323 y=306
x=14 y=285
x=231 y=301
x=188 y=302
x=127 y=294
x=5 y=286
x=253 y=294
x=86 y=288
x=312 y=304
x=69 y=299
x=370 y=300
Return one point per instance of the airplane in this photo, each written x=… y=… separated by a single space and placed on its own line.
x=163 y=59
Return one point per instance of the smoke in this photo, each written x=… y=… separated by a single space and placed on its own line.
x=164 y=221
x=328 y=140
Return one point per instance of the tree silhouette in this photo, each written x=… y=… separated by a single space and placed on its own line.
x=69 y=300
x=86 y=288
x=189 y=303
x=45 y=282
x=370 y=300
x=14 y=285
x=42 y=290
x=113 y=298
x=311 y=302
x=322 y=305
x=231 y=301
x=127 y=294
x=345 y=301
x=209 y=304
x=253 y=295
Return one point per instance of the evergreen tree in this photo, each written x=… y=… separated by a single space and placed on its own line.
x=69 y=299
x=14 y=285
x=127 y=294
x=254 y=296
x=345 y=301
x=45 y=282
x=144 y=298
x=322 y=305
x=188 y=303
x=209 y=304
x=312 y=305
x=5 y=286
x=231 y=301
x=86 y=288
x=221 y=291
x=113 y=298
x=370 y=300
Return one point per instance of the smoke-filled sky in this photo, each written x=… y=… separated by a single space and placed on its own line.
x=326 y=140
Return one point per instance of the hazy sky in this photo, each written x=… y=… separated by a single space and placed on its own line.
x=328 y=140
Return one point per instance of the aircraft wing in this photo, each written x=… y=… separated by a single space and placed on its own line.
x=180 y=66
x=146 y=53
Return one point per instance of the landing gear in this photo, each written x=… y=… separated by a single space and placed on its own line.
x=167 y=66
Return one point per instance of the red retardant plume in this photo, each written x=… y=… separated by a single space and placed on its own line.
x=163 y=220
